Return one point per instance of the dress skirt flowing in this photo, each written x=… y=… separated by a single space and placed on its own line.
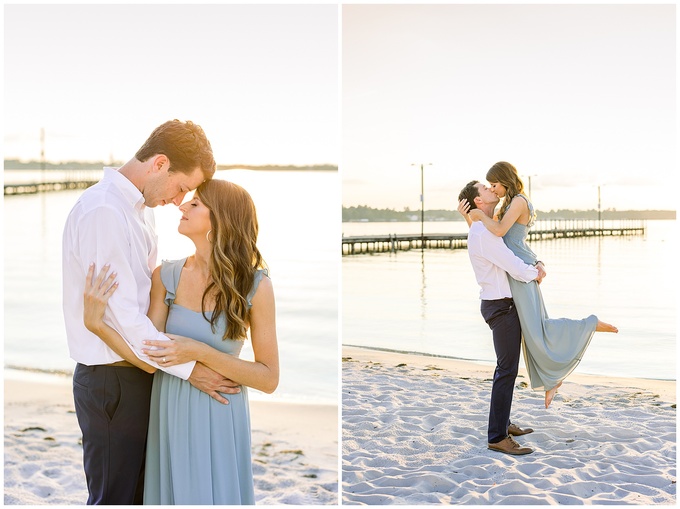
x=198 y=450
x=552 y=347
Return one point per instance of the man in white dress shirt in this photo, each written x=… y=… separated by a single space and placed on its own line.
x=112 y=223
x=492 y=262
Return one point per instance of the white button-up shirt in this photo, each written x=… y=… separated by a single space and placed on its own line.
x=491 y=260
x=110 y=224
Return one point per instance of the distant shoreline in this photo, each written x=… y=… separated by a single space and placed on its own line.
x=544 y=218
x=15 y=164
x=276 y=167
x=366 y=214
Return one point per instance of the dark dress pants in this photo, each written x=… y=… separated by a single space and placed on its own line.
x=112 y=406
x=501 y=315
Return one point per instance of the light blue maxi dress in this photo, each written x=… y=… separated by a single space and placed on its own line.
x=198 y=450
x=552 y=347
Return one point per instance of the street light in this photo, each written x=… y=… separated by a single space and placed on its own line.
x=529 y=179
x=599 y=206
x=42 y=154
x=422 y=202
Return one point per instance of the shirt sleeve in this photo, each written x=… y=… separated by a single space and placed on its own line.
x=105 y=237
x=495 y=250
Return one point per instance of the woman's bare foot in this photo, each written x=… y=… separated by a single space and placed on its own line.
x=605 y=327
x=550 y=395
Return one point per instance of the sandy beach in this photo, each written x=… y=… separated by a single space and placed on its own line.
x=414 y=432
x=295 y=448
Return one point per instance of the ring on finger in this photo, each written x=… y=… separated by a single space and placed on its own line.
x=164 y=359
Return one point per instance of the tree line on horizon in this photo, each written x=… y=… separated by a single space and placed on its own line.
x=16 y=164
x=366 y=213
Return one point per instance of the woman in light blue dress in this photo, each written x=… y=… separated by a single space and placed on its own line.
x=552 y=347
x=198 y=449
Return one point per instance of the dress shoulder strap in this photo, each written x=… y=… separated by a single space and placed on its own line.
x=256 y=282
x=170 y=273
x=532 y=213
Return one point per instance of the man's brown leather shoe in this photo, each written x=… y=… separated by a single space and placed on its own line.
x=509 y=446
x=515 y=430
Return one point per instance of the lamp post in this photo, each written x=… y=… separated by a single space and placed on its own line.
x=42 y=154
x=422 y=202
x=599 y=206
x=529 y=180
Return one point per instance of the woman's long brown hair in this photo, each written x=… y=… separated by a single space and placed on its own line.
x=235 y=256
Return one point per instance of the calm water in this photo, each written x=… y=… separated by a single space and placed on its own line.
x=299 y=228
x=428 y=302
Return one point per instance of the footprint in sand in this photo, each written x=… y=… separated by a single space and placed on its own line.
x=52 y=473
x=43 y=491
x=27 y=470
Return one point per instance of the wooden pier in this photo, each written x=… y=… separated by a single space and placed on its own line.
x=39 y=187
x=394 y=242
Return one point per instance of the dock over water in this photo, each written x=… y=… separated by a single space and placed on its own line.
x=557 y=229
x=23 y=182
x=39 y=187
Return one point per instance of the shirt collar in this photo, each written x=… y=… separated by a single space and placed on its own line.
x=125 y=186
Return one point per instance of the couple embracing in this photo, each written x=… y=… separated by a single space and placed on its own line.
x=509 y=273
x=157 y=348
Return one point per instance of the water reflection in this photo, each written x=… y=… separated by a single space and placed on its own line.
x=294 y=212
x=412 y=304
x=423 y=286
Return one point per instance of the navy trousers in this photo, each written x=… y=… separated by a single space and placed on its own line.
x=112 y=406
x=501 y=315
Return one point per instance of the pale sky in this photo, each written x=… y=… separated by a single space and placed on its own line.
x=574 y=96
x=262 y=80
